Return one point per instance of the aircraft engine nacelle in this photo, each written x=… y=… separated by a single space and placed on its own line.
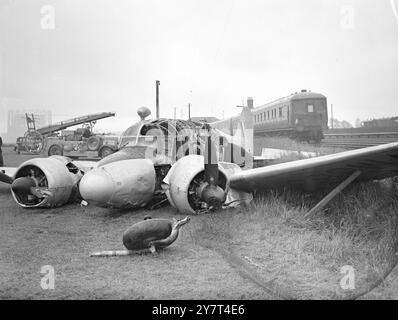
x=46 y=182
x=184 y=183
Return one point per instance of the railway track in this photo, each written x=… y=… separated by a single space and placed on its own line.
x=358 y=140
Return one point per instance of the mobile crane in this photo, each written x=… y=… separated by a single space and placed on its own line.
x=81 y=142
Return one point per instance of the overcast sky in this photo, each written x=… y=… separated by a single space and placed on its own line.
x=106 y=55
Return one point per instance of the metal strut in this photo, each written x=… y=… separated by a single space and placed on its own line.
x=321 y=204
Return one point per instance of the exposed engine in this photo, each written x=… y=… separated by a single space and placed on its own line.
x=46 y=182
x=187 y=189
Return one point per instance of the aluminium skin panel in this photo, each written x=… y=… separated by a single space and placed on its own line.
x=319 y=173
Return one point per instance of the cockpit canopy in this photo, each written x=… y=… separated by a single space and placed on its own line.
x=170 y=139
x=151 y=130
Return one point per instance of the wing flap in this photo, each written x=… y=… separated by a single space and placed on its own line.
x=312 y=174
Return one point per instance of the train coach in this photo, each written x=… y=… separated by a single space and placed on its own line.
x=300 y=116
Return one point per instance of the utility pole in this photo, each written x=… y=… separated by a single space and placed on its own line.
x=189 y=111
x=331 y=113
x=157 y=98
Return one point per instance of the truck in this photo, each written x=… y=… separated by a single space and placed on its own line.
x=56 y=140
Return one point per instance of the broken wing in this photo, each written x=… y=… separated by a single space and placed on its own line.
x=312 y=174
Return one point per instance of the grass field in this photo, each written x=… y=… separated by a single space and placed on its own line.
x=266 y=251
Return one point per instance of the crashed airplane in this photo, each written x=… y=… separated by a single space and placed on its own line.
x=194 y=166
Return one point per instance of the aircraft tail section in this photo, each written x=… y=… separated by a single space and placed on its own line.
x=240 y=133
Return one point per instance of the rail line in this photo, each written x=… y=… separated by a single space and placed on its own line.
x=358 y=140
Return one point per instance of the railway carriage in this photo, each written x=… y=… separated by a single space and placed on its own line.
x=301 y=115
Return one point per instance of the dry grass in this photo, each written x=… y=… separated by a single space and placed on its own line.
x=266 y=251
x=302 y=257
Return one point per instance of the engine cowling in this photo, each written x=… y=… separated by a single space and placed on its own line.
x=49 y=182
x=184 y=183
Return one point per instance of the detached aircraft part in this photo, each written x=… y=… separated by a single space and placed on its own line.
x=45 y=182
x=152 y=234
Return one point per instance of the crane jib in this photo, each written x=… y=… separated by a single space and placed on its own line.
x=73 y=122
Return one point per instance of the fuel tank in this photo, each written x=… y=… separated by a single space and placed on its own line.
x=139 y=235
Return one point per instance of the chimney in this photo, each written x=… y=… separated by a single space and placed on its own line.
x=250 y=102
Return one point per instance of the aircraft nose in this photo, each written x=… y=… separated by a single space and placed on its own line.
x=97 y=187
x=120 y=184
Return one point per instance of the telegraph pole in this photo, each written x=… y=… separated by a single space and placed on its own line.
x=189 y=111
x=331 y=113
x=157 y=98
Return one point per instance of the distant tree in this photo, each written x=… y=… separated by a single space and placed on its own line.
x=337 y=124
x=358 y=123
x=346 y=124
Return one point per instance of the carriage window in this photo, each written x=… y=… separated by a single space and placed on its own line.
x=310 y=108
x=280 y=112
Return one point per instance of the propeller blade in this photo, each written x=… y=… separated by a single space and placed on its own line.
x=23 y=185
x=6 y=179
x=40 y=192
x=211 y=162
